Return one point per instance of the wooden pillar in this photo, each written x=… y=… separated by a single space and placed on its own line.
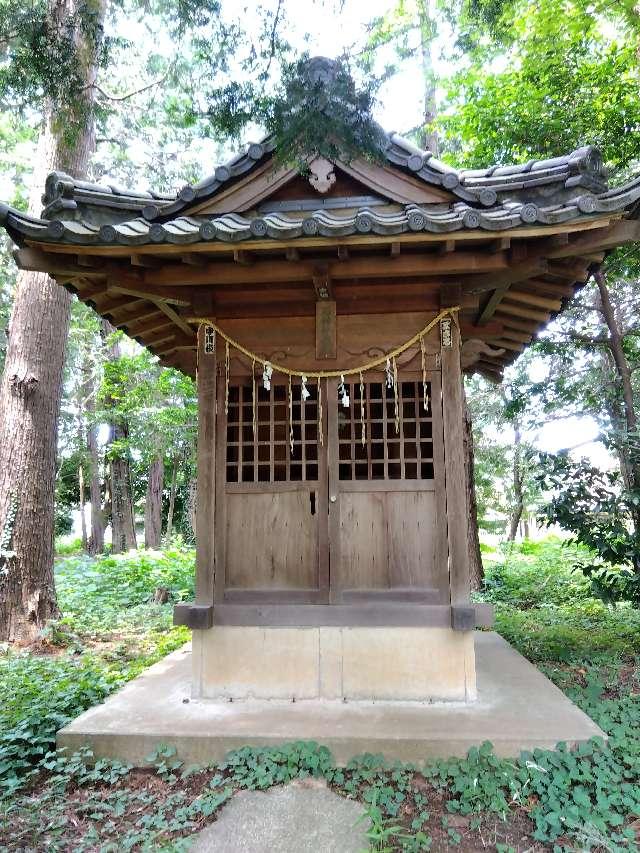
x=205 y=507
x=455 y=486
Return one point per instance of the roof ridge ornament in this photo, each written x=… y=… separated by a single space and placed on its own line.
x=321 y=174
x=321 y=70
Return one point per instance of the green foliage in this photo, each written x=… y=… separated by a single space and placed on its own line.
x=42 y=58
x=561 y=78
x=40 y=695
x=534 y=574
x=107 y=600
x=588 y=631
x=260 y=768
x=604 y=515
x=66 y=547
x=123 y=585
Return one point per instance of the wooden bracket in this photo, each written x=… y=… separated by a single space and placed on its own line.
x=463 y=617
x=194 y=616
x=322 y=282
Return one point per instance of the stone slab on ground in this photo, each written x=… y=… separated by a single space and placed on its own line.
x=517 y=708
x=291 y=819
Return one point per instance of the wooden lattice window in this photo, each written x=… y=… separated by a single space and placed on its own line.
x=387 y=453
x=264 y=455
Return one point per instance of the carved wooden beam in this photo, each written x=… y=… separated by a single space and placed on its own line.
x=456 y=263
x=552 y=287
x=486 y=332
x=175 y=318
x=531 y=299
x=506 y=277
x=527 y=313
x=37 y=261
x=616 y=234
x=193 y=259
x=164 y=294
x=145 y=312
x=241 y=256
x=512 y=335
x=504 y=343
x=153 y=324
x=519 y=324
x=138 y=260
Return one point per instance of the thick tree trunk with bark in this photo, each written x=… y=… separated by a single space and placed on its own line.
x=518 y=496
x=172 y=499
x=476 y=570
x=83 y=519
x=428 y=32
x=31 y=388
x=193 y=506
x=123 y=531
x=153 y=505
x=629 y=461
x=96 y=539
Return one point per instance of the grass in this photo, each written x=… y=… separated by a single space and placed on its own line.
x=558 y=800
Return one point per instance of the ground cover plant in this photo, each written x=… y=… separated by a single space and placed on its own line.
x=560 y=800
x=109 y=631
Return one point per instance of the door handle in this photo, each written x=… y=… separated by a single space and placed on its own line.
x=312 y=500
x=333 y=498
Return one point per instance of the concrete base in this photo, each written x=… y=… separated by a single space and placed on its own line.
x=517 y=708
x=366 y=663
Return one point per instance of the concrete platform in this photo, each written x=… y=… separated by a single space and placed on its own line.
x=517 y=708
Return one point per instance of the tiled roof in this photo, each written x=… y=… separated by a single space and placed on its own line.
x=438 y=218
x=550 y=181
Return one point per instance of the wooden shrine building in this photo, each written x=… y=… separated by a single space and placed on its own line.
x=329 y=316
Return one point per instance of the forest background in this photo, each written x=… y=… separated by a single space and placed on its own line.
x=176 y=89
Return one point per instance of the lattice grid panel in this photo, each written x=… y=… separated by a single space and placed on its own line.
x=387 y=454
x=265 y=455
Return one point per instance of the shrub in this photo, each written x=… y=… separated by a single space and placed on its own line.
x=118 y=584
x=532 y=574
x=65 y=547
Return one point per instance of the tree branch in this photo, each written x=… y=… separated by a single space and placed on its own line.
x=130 y=95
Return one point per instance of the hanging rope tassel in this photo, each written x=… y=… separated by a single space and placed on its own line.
x=333 y=374
x=425 y=386
x=363 y=425
x=226 y=378
x=396 y=404
x=291 y=415
x=253 y=397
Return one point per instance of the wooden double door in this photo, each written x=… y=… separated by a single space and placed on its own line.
x=322 y=502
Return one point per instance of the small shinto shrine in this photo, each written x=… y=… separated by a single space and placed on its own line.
x=329 y=314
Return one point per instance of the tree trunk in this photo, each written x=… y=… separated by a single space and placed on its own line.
x=518 y=498
x=96 y=540
x=428 y=32
x=153 y=505
x=476 y=570
x=123 y=531
x=193 y=503
x=83 y=520
x=630 y=461
x=172 y=499
x=31 y=386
